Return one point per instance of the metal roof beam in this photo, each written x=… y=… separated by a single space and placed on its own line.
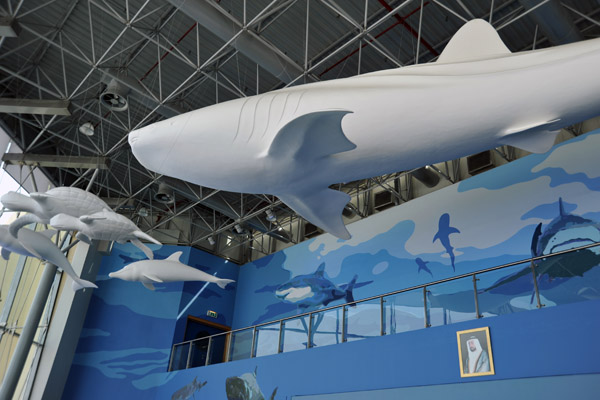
x=9 y=27
x=554 y=21
x=34 y=106
x=55 y=161
x=247 y=42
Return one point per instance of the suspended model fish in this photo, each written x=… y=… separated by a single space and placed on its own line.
x=43 y=206
x=296 y=142
x=104 y=225
x=169 y=270
x=39 y=245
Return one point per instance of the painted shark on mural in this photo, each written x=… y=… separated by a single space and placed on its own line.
x=104 y=225
x=41 y=207
x=39 y=245
x=297 y=141
x=443 y=235
x=171 y=269
x=314 y=289
x=245 y=387
x=566 y=231
x=189 y=390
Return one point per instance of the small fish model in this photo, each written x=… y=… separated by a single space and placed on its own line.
x=423 y=266
x=245 y=387
x=188 y=390
x=104 y=225
x=297 y=141
x=443 y=235
x=314 y=290
x=169 y=270
x=43 y=206
x=39 y=245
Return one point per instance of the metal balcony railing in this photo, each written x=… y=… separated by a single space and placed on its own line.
x=441 y=302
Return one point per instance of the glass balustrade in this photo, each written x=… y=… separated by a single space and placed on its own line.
x=563 y=278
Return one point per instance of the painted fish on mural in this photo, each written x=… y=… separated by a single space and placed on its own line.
x=188 y=390
x=245 y=387
x=314 y=289
x=566 y=231
x=443 y=235
x=423 y=266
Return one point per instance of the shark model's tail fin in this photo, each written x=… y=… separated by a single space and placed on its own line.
x=223 y=282
x=82 y=284
x=349 y=288
x=20 y=222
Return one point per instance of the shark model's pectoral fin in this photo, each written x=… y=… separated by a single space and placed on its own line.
x=5 y=253
x=312 y=136
x=39 y=197
x=322 y=208
x=153 y=278
x=535 y=138
x=148 y=286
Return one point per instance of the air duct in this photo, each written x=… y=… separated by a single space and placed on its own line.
x=248 y=43
x=115 y=96
x=554 y=21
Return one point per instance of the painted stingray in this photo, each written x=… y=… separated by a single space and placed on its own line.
x=314 y=289
x=245 y=387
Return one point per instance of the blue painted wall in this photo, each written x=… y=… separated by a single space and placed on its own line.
x=486 y=220
x=128 y=332
x=539 y=343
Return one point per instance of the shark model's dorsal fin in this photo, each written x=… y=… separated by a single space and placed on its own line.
x=321 y=270
x=561 y=207
x=475 y=40
x=175 y=256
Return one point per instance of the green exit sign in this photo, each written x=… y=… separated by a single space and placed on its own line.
x=212 y=314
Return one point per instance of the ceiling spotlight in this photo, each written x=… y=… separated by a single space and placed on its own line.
x=115 y=96
x=211 y=241
x=164 y=194
x=270 y=216
x=87 y=129
x=239 y=229
x=143 y=212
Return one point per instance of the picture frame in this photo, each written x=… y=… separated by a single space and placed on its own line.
x=475 y=352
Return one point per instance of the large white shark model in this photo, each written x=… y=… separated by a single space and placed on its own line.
x=39 y=245
x=296 y=142
x=104 y=225
x=168 y=270
x=43 y=206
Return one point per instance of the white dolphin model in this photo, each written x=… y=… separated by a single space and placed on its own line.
x=39 y=245
x=297 y=141
x=43 y=206
x=104 y=225
x=168 y=270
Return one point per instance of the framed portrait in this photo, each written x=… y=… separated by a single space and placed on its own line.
x=475 y=352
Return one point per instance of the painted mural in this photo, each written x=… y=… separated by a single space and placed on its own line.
x=128 y=332
x=533 y=206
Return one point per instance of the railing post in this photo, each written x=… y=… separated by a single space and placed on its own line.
x=228 y=344
x=382 y=315
x=171 y=359
x=252 y=349
x=308 y=341
x=427 y=325
x=208 y=351
x=344 y=323
x=477 y=315
x=535 y=286
x=280 y=345
x=189 y=357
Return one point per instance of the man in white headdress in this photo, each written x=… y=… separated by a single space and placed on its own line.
x=477 y=358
